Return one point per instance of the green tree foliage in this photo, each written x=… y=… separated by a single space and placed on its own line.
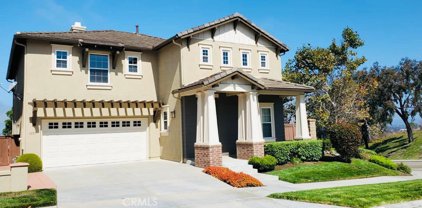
x=398 y=90
x=330 y=70
x=8 y=123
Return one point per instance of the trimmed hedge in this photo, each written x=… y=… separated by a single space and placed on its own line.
x=35 y=163
x=263 y=164
x=404 y=168
x=306 y=150
x=365 y=154
x=238 y=180
x=346 y=139
x=383 y=161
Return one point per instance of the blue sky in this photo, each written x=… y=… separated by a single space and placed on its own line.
x=391 y=29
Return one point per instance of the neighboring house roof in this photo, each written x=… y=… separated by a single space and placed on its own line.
x=225 y=20
x=262 y=83
x=100 y=37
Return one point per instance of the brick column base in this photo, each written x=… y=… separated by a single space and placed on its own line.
x=247 y=149
x=208 y=155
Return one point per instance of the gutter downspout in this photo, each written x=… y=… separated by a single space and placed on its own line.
x=23 y=127
x=178 y=98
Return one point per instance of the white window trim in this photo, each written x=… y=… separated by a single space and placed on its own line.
x=132 y=75
x=271 y=107
x=94 y=85
x=163 y=131
x=205 y=65
x=248 y=67
x=265 y=69
x=230 y=60
x=61 y=71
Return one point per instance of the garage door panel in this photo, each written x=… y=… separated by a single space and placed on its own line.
x=66 y=148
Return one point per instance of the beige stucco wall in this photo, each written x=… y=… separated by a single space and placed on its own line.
x=236 y=41
x=169 y=79
x=40 y=84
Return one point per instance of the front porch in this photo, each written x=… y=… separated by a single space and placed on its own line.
x=234 y=113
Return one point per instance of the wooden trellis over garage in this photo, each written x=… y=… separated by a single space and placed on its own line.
x=85 y=108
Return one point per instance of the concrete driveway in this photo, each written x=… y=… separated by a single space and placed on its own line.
x=154 y=183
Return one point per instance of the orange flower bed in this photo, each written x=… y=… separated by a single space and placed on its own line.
x=238 y=180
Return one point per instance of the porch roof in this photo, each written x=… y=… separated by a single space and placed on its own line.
x=259 y=83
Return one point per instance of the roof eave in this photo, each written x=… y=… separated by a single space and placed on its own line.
x=9 y=67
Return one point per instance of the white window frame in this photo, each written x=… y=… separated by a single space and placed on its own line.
x=271 y=107
x=95 y=85
x=166 y=109
x=249 y=54
x=265 y=69
x=127 y=73
x=61 y=71
x=230 y=63
x=209 y=64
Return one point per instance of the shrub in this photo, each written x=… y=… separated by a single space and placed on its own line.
x=365 y=154
x=404 y=168
x=306 y=150
x=295 y=160
x=383 y=161
x=35 y=163
x=346 y=139
x=238 y=180
x=326 y=145
x=263 y=164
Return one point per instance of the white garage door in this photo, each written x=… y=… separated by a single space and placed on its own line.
x=82 y=142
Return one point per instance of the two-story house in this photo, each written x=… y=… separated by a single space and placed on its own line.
x=90 y=97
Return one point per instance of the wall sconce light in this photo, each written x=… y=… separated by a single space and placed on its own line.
x=173 y=114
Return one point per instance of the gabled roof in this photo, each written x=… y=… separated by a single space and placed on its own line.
x=101 y=37
x=225 y=20
x=112 y=38
x=260 y=83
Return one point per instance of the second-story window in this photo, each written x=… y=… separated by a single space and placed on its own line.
x=133 y=64
x=263 y=60
x=98 y=69
x=245 y=58
x=205 y=55
x=226 y=57
x=61 y=56
x=61 y=59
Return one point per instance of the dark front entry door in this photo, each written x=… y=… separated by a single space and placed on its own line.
x=227 y=122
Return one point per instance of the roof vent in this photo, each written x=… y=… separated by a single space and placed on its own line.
x=77 y=27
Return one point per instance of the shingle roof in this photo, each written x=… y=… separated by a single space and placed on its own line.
x=101 y=37
x=230 y=18
x=262 y=83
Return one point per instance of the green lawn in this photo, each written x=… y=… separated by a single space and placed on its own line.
x=396 y=147
x=33 y=198
x=359 y=196
x=330 y=171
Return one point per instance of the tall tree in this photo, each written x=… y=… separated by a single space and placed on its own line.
x=330 y=71
x=399 y=91
x=7 y=131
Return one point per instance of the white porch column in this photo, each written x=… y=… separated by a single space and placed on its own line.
x=208 y=151
x=199 y=117
x=210 y=128
x=302 y=129
x=241 y=118
x=253 y=118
